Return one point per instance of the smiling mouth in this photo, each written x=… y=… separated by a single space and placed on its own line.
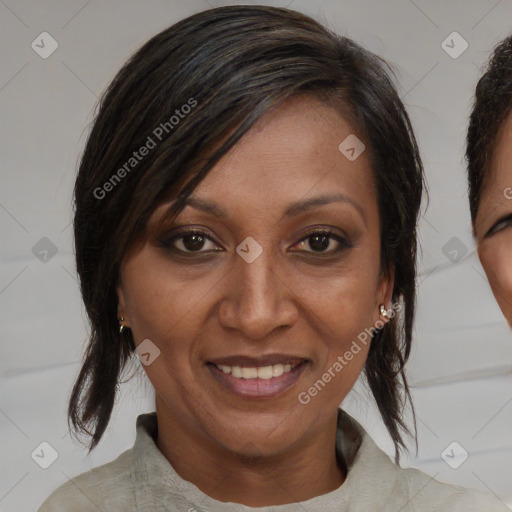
x=261 y=372
x=265 y=377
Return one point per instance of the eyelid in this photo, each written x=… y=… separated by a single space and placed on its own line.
x=181 y=231
x=343 y=240
x=492 y=230
x=178 y=232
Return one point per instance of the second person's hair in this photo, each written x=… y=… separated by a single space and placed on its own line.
x=493 y=103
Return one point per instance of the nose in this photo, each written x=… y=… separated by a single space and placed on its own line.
x=258 y=298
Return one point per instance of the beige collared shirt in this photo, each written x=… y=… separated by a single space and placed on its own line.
x=141 y=479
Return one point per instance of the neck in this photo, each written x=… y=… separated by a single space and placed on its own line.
x=300 y=473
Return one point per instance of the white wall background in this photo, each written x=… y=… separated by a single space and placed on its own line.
x=461 y=368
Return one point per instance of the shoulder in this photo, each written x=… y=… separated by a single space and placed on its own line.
x=378 y=481
x=423 y=492
x=106 y=487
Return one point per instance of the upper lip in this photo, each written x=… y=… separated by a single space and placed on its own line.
x=252 y=362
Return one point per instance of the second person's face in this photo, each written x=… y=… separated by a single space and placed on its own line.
x=494 y=221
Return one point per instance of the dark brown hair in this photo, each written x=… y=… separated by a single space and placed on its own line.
x=233 y=64
x=492 y=104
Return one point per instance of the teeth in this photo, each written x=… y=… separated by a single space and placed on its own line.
x=249 y=373
x=265 y=372
x=262 y=372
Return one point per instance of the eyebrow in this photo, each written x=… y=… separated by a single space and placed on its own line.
x=292 y=210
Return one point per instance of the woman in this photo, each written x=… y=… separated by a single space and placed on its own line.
x=246 y=212
x=489 y=157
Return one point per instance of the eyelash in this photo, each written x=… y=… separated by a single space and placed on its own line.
x=167 y=243
x=504 y=220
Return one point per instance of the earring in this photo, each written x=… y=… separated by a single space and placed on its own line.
x=383 y=311
x=121 y=326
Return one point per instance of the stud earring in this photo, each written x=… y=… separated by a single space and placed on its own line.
x=383 y=311
x=121 y=326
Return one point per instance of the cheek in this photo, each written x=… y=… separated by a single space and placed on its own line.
x=158 y=302
x=346 y=296
x=353 y=313
x=341 y=308
x=497 y=263
x=164 y=309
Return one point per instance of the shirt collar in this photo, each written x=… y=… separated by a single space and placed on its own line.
x=159 y=488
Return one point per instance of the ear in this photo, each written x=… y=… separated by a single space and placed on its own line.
x=121 y=303
x=384 y=292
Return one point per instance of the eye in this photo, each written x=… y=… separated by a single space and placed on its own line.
x=501 y=224
x=196 y=241
x=324 y=241
x=190 y=241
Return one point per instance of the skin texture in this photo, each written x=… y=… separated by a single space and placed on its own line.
x=493 y=228
x=290 y=300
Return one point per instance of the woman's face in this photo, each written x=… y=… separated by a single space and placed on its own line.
x=253 y=312
x=494 y=221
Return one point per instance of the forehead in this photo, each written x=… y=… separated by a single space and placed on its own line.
x=291 y=152
x=500 y=169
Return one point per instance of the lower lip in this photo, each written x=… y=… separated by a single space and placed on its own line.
x=258 y=388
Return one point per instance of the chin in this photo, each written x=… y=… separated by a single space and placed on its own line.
x=259 y=440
